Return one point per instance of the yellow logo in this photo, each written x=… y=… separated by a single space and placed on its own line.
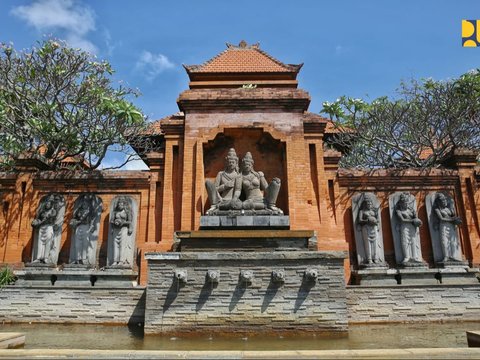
x=470 y=33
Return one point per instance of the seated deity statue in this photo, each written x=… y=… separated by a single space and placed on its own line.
x=45 y=223
x=220 y=192
x=447 y=223
x=251 y=184
x=122 y=228
x=82 y=228
x=368 y=219
x=408 y=228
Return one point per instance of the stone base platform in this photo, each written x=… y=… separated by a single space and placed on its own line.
x=245 y=240
x=386 y=354
x=244 y=222
x=76 y=276
x=309 y=295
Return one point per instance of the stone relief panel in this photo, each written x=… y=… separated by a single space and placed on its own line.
x=368 y=230
x=85 y=226
x=443 y=223
x=121 y=235
x=405 y=226
x=47 y=229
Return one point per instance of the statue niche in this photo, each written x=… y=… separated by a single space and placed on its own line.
x=405 y=229
x=244 y=192
x=85 y=226
x=368 y=230
x=47 y=227
x=121 y=235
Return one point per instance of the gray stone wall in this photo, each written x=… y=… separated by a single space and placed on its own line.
x=72 y=305
x=413 y=303
x=231 y=305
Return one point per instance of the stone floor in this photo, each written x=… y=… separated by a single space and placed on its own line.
x=410 y=354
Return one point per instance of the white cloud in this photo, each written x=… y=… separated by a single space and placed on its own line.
x=82 y=43
x=75 y=19
x=109 y=44
x=151 y=65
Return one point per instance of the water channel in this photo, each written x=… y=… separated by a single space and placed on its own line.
x=132 y=338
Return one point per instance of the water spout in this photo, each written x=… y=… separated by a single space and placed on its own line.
x=181 y=276
x=246 y=277
x=278 y=277
x=311 y=275
x=213 y=276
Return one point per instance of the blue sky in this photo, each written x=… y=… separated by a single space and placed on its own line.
x=348 y=47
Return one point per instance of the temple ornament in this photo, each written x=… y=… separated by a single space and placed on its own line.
x=405 y=226
x=368 y=233
x=47 y=227
x=443 y=223
x=85 y=226
x=121 y=237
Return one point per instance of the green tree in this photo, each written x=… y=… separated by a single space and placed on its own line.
x=59 y=102
x=420 y=128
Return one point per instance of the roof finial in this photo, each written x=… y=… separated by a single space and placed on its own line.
x=242 y=44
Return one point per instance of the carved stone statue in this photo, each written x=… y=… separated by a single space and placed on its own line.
x=220 y=193
x=251 y=183
x=85 y=226
x=405 y=229
x=368 y=234
x=47 y=229
x=443 y=222
x=123 y=215
x=245 y=192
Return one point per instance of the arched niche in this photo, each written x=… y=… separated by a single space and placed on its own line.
x=268 y=154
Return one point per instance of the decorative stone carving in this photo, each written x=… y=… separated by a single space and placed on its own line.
x=246 y=276
x=368 y=230
x=311 y=275
x=213 y=276
x=250 y=194
x=121 y=235
x=48 y=229
x=405 y=229
x=181 y=276
x=85 y=226
x=443 y=223
x=251 y=183
x=278 y=276
x=220 y=193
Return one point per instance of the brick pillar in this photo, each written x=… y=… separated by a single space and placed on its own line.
x=189 y=186
x=465 y=161
x=298 y=188
x=167 y=222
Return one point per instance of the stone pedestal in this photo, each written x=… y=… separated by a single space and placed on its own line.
x=76 y=277
x=458 y=275
x=376 y=276
x=245 y=222
x=418 y=276
x=245 y=240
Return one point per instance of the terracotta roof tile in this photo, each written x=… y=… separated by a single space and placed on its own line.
x=243 y=59
x=155 y=128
